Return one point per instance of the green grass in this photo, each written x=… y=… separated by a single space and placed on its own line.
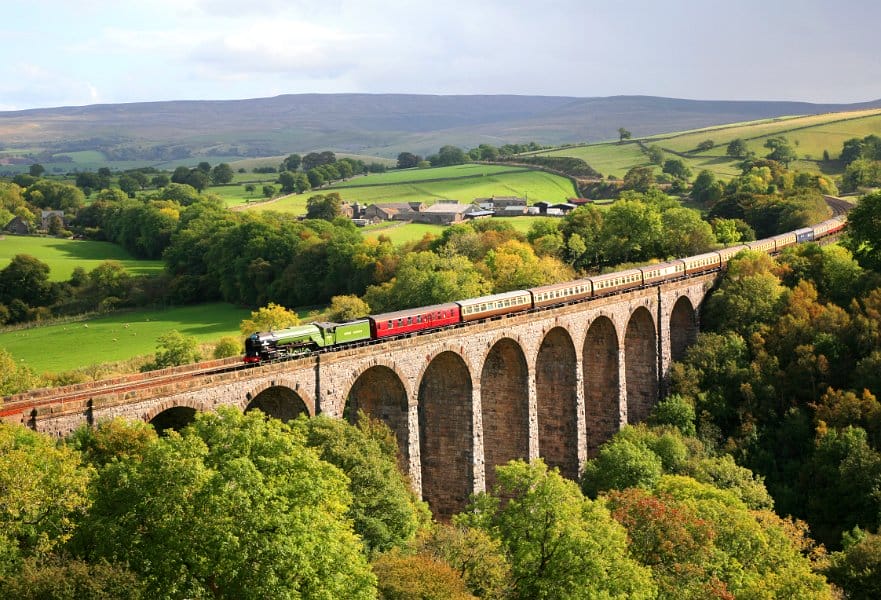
x=117 y=337
x=461 y=182
x=63 y=256
x=810 y=135
x=400 y=233
x=607 y=158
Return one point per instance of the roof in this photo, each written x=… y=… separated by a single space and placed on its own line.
x=405 y=206
x=419 y=310
x=447 y=208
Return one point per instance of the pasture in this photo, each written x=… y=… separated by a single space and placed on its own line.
x=63 y=256
x=461 y=182
x=120 y=336
x=809 y=135
x=401 y=233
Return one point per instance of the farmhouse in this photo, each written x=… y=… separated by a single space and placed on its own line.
x=444 y=213
x=392 y=211
x=18 y=225
x=46 y=217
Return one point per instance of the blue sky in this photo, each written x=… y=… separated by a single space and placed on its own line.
x=60 y=53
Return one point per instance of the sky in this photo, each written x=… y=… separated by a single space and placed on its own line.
x=73 y=53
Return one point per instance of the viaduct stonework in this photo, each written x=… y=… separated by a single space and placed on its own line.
x=552 y=383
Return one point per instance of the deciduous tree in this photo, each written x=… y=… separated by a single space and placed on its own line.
x=236 y=506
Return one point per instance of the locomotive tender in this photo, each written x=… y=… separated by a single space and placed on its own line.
x=271 y=345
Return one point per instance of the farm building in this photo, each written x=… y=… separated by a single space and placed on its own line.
x=497 y=202
x=18 y=225
x=444 y=213
x=392 y=211
x=46 y=217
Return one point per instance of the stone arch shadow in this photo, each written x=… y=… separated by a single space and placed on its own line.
x=173 y=415
x=381 y=392
x=281 y=400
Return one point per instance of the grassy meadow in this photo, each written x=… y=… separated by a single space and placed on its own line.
x=809 y=135
x=63 y=256
x=117 y=337
x=400 y=233
x=460 y=182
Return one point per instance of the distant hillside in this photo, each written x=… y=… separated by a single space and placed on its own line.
x=382 y=124
x=813 y=137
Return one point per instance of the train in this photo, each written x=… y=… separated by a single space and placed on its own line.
x=284 y=343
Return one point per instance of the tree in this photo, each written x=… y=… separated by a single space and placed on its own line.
x=655 y=154
x=70 y=579
x=737 y=148
x=287 y=181
x=559 y=544
x=448 y=155
x=685 y=233
x=198 y=179
x=227 y=346
x=851 y=150
x=291 y=163
x=316 y=178
x=15 y=377
x=180 y=174
x=623 y=134
x=407 y=160
x=36 y=170
x=160 y=180
x=706 y=145
x=864 y=235
x=174 y=349
x=706 y=189
x=749 y=295
x=256 y=514
x=781 y=151
x=424 y=278
x=632 y=231
x=324 y=206
x=129 y=185
x=857 y=567
x=384 y=512
x=271 y=317
x=181 y=193
x=27 y=279
x=639 y=179
x=416 y=576
x=621 y=464
x=472 y=552
x=268 y=191
x=222 y=174
x=677 y=169
x=347 y=308
x=43 y=494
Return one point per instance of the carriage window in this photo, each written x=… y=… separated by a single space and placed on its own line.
x=409 y=320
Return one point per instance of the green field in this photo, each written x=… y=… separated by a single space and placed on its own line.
x=63 y=256
x=461 y=182
x=121 y=336
x=809 y=135
x=400 y=233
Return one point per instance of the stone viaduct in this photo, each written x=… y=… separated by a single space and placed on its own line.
x=552 y=383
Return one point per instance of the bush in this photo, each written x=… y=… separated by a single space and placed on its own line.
x=227 y=346
x=417 y=577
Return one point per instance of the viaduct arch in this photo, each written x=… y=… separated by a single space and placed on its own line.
x=553 y=383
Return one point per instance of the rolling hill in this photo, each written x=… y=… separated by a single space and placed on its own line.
x=376 y=124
